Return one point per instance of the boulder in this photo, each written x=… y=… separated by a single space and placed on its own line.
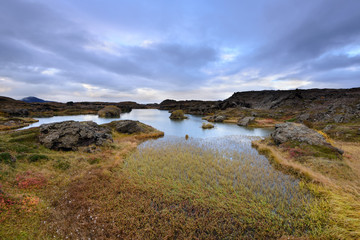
x=289 y=131
x=128 y=126
x=70 y=135
x=245 y=121
x=109 y=112
x=297 y=132
x=219 y=118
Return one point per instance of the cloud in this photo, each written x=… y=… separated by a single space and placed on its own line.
x=134 y=50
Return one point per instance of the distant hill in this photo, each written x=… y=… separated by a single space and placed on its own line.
x=33 y=100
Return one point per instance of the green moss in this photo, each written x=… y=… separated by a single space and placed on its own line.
x=93 y=161
x=37 y=157
x=291 y=120
x=6 y=158
x=62 y=164
x=324 y=152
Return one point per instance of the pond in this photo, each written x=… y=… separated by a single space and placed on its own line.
x=219 y=159
x=160 y=120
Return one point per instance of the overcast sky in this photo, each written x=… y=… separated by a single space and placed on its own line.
x=147 y=51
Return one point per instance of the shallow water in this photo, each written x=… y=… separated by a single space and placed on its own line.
x=160 y=120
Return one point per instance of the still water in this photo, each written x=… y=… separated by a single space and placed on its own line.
x=160 y=120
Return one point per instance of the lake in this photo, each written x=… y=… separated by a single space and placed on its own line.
x=160 y=120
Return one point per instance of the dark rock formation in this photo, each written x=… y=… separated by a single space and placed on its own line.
x=196 y=107
x=245 y=121
x=293 y=98
x=70 y=135
x=128 y=126
x=132 y=127
x=17 y=112
x=11 y=107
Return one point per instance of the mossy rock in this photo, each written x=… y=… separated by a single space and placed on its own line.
x=109 y=112
x=207 y=126
x=178 y=114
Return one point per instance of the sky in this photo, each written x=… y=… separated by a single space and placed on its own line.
x=148 y=51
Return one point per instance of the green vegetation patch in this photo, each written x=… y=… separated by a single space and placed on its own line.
x=178 y=115
x=6 y=158
x=37 y=157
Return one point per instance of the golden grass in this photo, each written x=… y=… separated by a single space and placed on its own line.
x=227 y=181
x=342 y=194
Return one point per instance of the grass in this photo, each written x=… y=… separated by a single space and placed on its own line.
x=338 y=182
x=223 y=198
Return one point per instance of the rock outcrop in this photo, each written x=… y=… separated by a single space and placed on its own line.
x=289 y=131
x=70 y=135
x=297 y=132
x=245 y=121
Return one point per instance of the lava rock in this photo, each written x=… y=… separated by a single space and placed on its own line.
x=128 y=126
x=70 y=135
x=297 y=132
x=339 y=118
x=289 y=131
x=219 y=118
x=245 y=121
x=304 y=117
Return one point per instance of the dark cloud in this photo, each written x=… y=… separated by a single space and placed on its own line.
x=123 y=47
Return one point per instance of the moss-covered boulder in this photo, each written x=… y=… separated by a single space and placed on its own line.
x=178 y=115
x=207 y=126
x=109 y=112
x=130 y=127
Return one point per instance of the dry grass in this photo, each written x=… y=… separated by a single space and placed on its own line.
x=341 y=192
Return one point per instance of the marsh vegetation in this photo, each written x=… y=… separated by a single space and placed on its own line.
x=175 y=188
